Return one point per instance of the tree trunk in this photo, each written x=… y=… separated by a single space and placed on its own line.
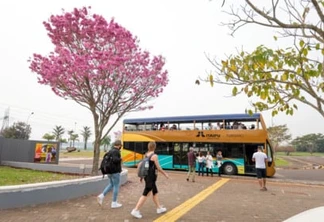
x=96 y=154
x=85 y=145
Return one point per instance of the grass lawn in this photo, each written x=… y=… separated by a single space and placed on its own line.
x=281 y=162
x=16 y=176
x=81 y=153
x=299 y=154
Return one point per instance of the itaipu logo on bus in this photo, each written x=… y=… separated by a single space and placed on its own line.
x=208 y=135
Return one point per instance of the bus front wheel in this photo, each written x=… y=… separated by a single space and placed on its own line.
x=229 y=169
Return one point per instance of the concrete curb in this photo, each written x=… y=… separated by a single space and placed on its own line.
x=64 y=168
x=40 y=193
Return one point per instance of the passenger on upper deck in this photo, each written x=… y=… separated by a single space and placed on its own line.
x=235 y=125
x=154 y=126
x=162 y=127
x=174 y=127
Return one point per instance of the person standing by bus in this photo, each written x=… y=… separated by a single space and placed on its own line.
x=209 y=163
x=201 y=163
x=219 y=159
x=260 y=159
x=191 y=164
x=150 y=183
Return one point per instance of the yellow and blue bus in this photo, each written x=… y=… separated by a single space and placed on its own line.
x=236 y=135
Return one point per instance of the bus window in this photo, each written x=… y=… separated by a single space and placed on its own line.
x=234 y=150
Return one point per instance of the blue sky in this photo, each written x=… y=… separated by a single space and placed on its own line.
x=183 y=31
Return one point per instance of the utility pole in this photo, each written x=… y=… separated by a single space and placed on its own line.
x=27 y=125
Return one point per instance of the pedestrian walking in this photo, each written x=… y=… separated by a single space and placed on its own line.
x=219 y=159
x=201 y=164
x=191 y=164
x=150 y=183
x=114 y=177
x=209 y=164
x=260 y=159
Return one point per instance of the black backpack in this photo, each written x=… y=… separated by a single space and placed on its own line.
x=107 y=166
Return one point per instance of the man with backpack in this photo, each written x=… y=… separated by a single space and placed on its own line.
x=113 y=174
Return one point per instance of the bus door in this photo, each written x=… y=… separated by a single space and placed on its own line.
x=249 y=149
x=180 y=160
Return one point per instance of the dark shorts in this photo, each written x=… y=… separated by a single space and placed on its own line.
x=150 y=185
x=261 y=173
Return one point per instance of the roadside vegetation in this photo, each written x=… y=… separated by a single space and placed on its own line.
x=299 y=154
x=81 y=153
x=16 y=176
x=280 y=162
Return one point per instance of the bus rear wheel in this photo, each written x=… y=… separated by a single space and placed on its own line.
x=229 y=169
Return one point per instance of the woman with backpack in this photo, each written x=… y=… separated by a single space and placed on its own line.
x=150 y=183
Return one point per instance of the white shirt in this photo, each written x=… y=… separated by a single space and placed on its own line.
x=201 y=159
x=209 y=161
x=259 y=158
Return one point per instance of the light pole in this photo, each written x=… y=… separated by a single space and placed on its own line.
x=75 y=142
x=32 y=113
x=27 y=126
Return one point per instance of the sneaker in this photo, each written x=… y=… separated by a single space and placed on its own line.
x=100 y=199
x=136 y=213
x=161 y=210
x=115 y=205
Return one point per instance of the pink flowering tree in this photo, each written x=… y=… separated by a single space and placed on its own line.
x=99 y=65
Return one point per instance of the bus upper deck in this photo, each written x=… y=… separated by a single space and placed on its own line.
x=202 y=122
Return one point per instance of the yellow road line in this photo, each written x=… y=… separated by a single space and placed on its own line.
x=182 y=209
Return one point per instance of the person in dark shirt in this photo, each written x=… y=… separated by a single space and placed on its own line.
x=114 y=178
x=191 y=164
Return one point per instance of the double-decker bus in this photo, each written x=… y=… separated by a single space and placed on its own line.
x=236 y=135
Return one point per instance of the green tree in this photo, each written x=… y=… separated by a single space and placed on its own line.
x=309 y=143
x=72 y=137
x=105 y=142
x=58 y=132
x=86 y=133
x=48 y=137
x=19 y=130
x=278 y=135
x=63 y=140
x=278 y=79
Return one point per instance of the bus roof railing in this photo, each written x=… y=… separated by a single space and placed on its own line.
x=198 y=119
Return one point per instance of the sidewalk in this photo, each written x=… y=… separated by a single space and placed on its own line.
x=237 y=200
